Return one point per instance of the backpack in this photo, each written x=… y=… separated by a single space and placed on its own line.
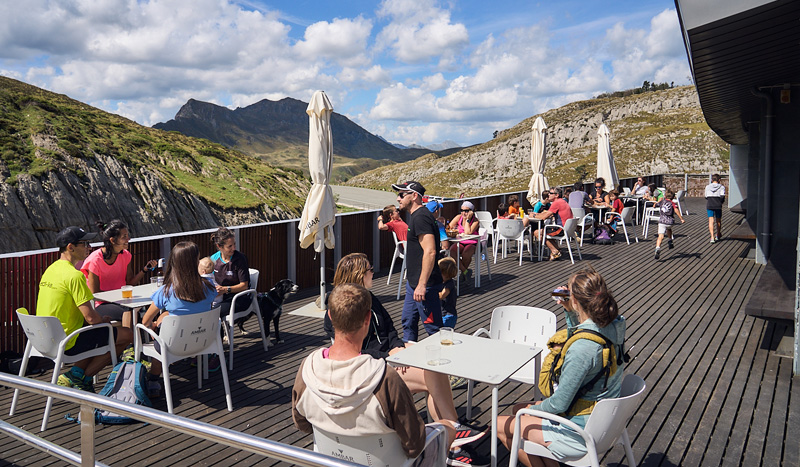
x=551 y=367
x=602 y=235
x=127 y=382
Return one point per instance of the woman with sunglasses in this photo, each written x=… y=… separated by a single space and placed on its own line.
x=382 y=340
x=467 y=224
x=109 y=268
x=640 y=188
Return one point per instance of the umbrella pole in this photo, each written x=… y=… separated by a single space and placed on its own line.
x=322 y=305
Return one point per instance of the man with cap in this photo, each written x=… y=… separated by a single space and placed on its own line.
x=424 y=278
x=63 y=293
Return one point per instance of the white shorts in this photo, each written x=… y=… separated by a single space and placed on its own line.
x=662 y=228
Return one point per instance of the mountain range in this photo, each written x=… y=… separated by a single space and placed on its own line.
x=654 y=132
x=277 y=132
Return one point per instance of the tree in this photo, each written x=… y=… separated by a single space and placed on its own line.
x=494 y=135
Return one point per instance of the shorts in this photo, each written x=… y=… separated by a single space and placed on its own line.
x=662 y=228
x=714 y=213
x=565 y=444
x=112 y=310
x=91 y=339
x=449 y=320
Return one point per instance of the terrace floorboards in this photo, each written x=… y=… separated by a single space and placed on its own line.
x=717 y=394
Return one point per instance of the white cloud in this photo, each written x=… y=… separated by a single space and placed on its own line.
x=343 y=40
x=419 y=31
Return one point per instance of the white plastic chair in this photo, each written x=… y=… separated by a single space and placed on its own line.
x=623 y=218
x=183 y=336
x=523 y=325
x=650 y=214
x=399 y=252
x=253 y=308
x=46 y=338
x=567 y=234
x=513 y=230
x=487 y=222
x=584 y=220
x=375 y=450
x=604 y=429
x=679 y=196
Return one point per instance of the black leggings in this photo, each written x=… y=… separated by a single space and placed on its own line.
x=225 y=304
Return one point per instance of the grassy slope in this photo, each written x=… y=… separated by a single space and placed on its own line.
x=222 y=177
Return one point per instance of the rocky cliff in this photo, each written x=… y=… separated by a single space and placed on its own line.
x=651 y=133
x=65 y=163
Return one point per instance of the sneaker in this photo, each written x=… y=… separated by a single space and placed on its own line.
x=127 y=355
x=670 y=244
x=658 y=253
x=69 y=380
x=457 y=382
x=465 y=435
x=713 y=241
x=467 y=458
x=213 y=363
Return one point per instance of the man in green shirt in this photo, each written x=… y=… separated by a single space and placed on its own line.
x=63 y=293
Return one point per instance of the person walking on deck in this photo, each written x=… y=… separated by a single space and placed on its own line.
x=424 y=278
x=715 y=196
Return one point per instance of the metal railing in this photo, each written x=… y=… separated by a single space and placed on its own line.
x=88 y=402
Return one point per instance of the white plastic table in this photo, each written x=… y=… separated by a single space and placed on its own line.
x=477 y=358
x=477 y=255
x=140 y=298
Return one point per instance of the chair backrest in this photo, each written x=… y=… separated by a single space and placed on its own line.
x=680 y=195
x=186 y=335
x=627 y=214
x=610 y=416
x=254 y=278
x=45 y=333
x=578 y=212
x=485 y=218
x=523 y=325
x=569 y=227
x=509 y=228
x=373 y=450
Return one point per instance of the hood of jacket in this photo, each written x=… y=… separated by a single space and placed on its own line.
x=714 y=187
x=342 y=386
x=615 y=331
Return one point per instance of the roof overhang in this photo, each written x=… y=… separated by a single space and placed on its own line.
x=735 y=46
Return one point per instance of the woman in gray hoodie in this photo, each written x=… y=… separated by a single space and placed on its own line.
x=593 y=308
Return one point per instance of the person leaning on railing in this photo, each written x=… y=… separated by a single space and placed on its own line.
x=109 y=268
x=579 y=388
x=390 y=220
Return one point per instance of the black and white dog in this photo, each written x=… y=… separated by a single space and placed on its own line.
x=271 y=305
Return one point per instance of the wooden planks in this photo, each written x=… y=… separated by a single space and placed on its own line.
x=716 y=393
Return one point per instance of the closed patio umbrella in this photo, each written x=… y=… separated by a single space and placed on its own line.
x=538 y=181
x=319 y=212
x=605 y=159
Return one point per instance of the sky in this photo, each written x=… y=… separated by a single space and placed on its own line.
x=411 y=71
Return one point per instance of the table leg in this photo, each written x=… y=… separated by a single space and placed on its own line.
x=494 y=425
x=537 y=368
x=458 y=270
x=478 y=265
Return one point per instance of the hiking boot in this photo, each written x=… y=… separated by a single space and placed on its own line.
x=466 y=458
x=70 y=380
x=465 y=435
x=658 y=252
x=457 y=382
x=670 y=244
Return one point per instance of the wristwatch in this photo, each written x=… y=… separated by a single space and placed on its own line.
x=229 y=290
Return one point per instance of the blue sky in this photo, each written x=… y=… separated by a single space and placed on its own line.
x=412 y=71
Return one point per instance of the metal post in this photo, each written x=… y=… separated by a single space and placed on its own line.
x=686 y=183
x=291 y=250
x=87 y=435
x=322 y=305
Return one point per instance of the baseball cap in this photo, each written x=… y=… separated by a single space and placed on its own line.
x=434 y=205
x=73 y=234
x=416 y=187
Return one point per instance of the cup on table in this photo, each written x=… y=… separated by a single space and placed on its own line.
x=159 y=280
x=530 y=212
x=127 y=291
x=154 y=280
x=433 y=354
x=446 y=335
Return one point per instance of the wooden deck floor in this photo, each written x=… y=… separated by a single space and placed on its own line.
x=717 y=392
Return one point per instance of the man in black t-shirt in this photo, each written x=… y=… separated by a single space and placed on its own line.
x=424 y=278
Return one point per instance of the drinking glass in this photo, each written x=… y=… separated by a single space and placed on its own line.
x=127 y=291
x=433 y=354
x=446 y=335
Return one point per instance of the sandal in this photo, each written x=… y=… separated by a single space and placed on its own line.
x=555 y=256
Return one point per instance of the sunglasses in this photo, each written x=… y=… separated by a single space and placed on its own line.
x=403 y=194
x=466 y=210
